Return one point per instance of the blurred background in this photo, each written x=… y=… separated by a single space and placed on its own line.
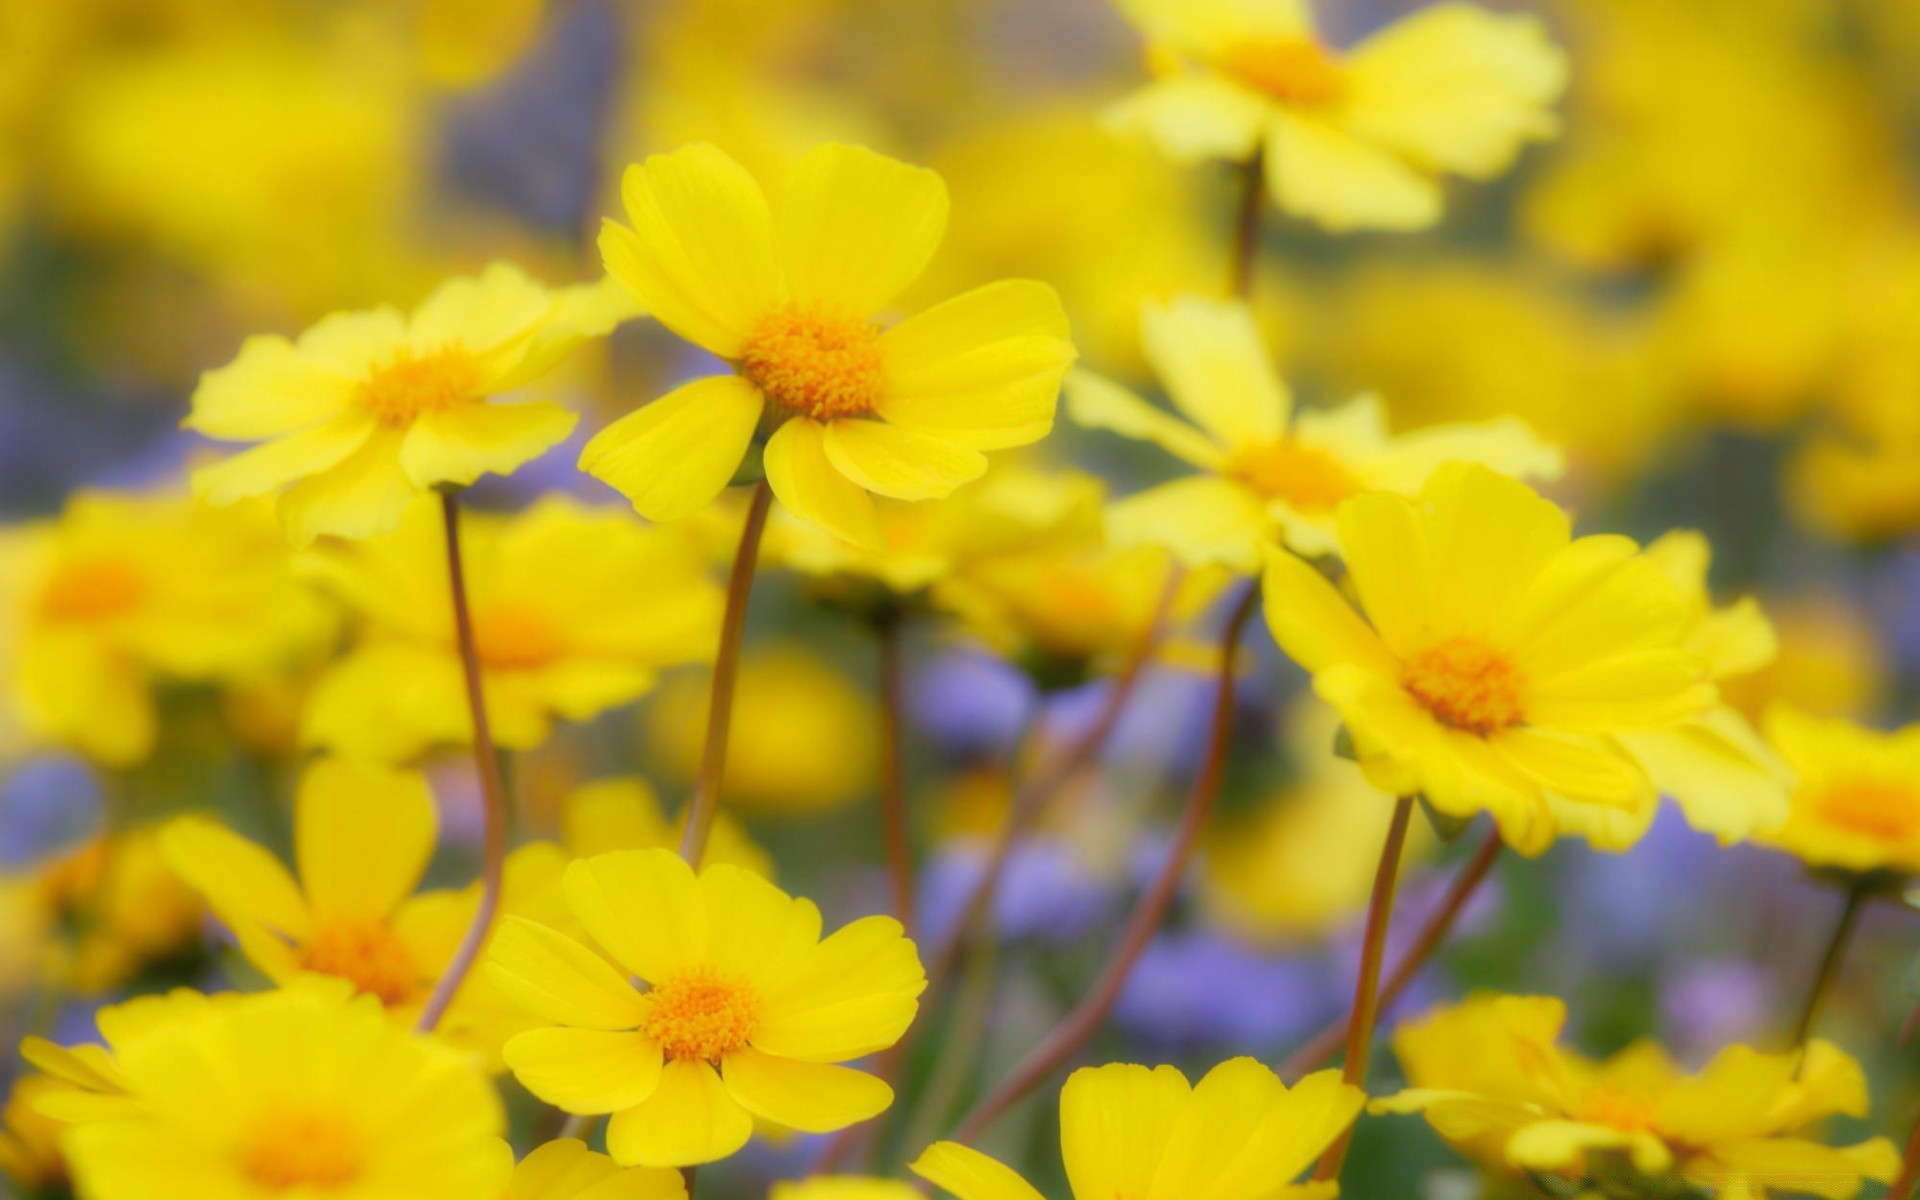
x=1707 y=290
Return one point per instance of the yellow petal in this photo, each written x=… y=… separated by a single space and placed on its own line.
x=856 y=227
x=362 y=837
x=243 y=883
x=1314 y=624
x=1216 y=370
x=1114 y=1124
x=1203 y=520
x=1242 y=1129
x=277 y=463
x=982 y=369
x=813 y=489
x=1507 y=445
x=643 y=907
x=1724 y=778
x=810 y=1097
x=482 y=313
x=364 y=494
x=568 y=1170
x=754 y=928
x=971 y=1175
x=1390 y=568
x=459 y=444
x=557 y=979
x=1325 y=174
x=699 y=256
x=1193 y=118
x=1563 y=1145
x=389 y=702
x=854 y=993
x=1489 y=539
x=689 y=1119
x=673 y=456
x=270 y=389
x=900 y=463
x=585 y=1070
x=613 y=814
x=1097 y=402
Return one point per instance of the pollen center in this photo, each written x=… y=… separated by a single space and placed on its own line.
x=92 y=590
x=1291 y=70
x=512 y=637
x=815 y=361
x=296 y=1151
x=1307 y=478
x=1879 y=809
x=367 y=954
x=1466 y=684
x=1616 y=1108
x=412 y=385
x=701 y=1013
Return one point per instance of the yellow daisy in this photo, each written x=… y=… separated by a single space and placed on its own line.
x=625 y=813
x=575 y=611
x=1356 y=138
x=1489 y=1076
x=741 y=1012
x=1498 y=658
x=790 y=299
x=366 y=410
x=294 y=1093
x=1857 y=803
x=567 y=1170
x=1268 y=470
x=1146 y=1134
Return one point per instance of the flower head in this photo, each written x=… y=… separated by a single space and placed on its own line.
x=741 y=1012
x=1356 y=138
x=366 y=410
x=1856 y=805
x=791 y=299
x=1144 y=1132
x=1499 y=656
x=1266 y=469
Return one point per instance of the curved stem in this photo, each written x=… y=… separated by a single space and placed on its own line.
x=1328 y=1041
x=1905 y=1187
x=492 y=787
x=726 y=669
x=1246 y=239
x=893 y=786
x=1077 y=1026
x=1366 y=995
x=1830 y=961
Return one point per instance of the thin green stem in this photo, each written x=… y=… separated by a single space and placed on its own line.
x=1830 y=962
x=894 y=825
x=1246 y=238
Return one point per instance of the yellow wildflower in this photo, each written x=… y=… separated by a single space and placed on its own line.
x=1266 y=469
x=1499 y=656
x=625 y=814
x=1127 y=1130
x=575 y=610
x=1355 y=138
x=126 y=907
x=366 y=410
x=1830 y=661
x=1489 y=1076
x=790 y=299
x=124 y=593
x=1856 y=805
x=29 y=1140
x=744 y=1013
x=567 y=1170
x=842 y=1187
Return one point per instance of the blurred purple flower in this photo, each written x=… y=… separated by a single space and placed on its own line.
x=1196 y=989
x=1047 y=892
x=46 y=803
x=1706 y=1005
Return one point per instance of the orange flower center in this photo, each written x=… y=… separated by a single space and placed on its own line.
x=1291 y=70
x=815 y=361
x=96 y=589
x=411 y=385
x=701 y=1013
x=512 y=637
x=1617 y=1108
x=1466 y=684
x=293 y=1150
x=1879 y=809
x=1307 y=478
x=367 y=954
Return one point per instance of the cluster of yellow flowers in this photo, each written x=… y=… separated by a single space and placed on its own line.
x=332 y=598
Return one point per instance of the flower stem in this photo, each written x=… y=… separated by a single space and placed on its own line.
x=893 y=784
x=1366 y=995
x=1246 y=240
x=1328 y=1041
x=492 y=787
x=726 y=669
x=1080 y=1024
x=1830 y=962
x=1905 y=1187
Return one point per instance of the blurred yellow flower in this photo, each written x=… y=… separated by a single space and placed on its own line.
x=1859 y=480
x=366 y=410
x=1266 y=469
x=575 y=611
x=1498 y=658
x=1489 y=1076
x=124 y=904
x=126 y=592
x=464 y=43
x=842 y=1187
x=1857 y=802
x=1351 y=139
x=29 y=1140
x=1126 y=1130
x=809 y=737
x=296 y=1092
x=1830 y=662
x=744 y=1013
x=567 y=1170
x=625 y=814
x=790 y=301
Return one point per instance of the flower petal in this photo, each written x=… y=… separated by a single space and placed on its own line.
x=1216 y=369
x=1324 y=174
x=362 y=837
x=900 y=463
x=856 y=227
x=643 y=907
x=854 y=993
x=242 y=882
x=1313 y=622
x=1193 y=118
x=501 y=305
x=971 y=1175
x=689 y=1119
x=459 y=444
x=269 y=389
x=585 y=1070
x=673 y=456
x=364 y=494
x=557 y=979
x=810 y=1097
x=273 y=465
x=812 y=488
x=1202 y=519
x=1114 y=1125
x=1096 y=402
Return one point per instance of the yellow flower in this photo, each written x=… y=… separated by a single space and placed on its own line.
x=366 y=410
x=842 y=1187
x=1860 y=482
x=1133 y=1131
x=790 y=299
x=300 y=1092
x=126 y=906
x=625 y=814
x=567 y=1170
x=1830 y=661
x=744 y=1010
x=29 y=1140
x=814 y=740
x=1489 y=1077
x=1351 y=139
x=575 y=610
x=124 y=593
x=1266 y=469
x=1499 y=656
x=1856 y=805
